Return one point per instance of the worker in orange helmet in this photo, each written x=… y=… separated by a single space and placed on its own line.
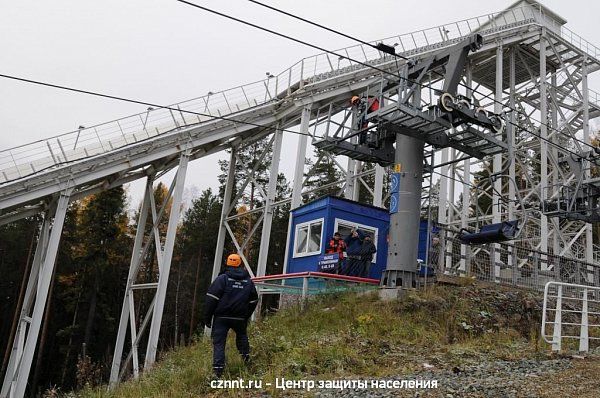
x=230 y=301
x=363 y=107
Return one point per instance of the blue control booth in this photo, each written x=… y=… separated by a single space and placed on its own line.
x=314 y=224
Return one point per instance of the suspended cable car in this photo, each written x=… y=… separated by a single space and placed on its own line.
x=491 y=233
x=496 y=232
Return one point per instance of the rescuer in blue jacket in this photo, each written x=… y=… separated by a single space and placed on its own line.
x=353 y=249
x=230 y=301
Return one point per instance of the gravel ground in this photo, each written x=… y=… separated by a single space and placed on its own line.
x=494 y=379
x=527 y=378
x=581 y=380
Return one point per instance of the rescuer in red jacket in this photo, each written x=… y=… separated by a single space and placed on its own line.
x=363 y=107
x=337 y=245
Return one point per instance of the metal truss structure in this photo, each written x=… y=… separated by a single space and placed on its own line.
x=32 y=310
x=544 y=77
x=164 y=252
x=529 y=63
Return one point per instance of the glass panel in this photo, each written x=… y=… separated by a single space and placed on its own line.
x=314 y=244
x=369 y=232
x=344 y=230
x=301 y=239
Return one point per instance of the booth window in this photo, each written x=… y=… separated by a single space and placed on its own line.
x=308 y=238
x=344 y=227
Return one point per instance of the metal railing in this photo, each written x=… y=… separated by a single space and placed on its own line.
x=296 y=288
x=508 y=263
x=573 y=311
x=24 y=160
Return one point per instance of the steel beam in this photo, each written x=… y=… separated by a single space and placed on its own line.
x=30 y=320
x=141 y=247
x=442 y=205
x=465 y=250
x=229 y=184
x=358 y=167
x=21 y=332
x=497 y=161
x=589 y=243
x=378 y=186
x=554 y=177
x=127 y=314
x=167 y=255
x=268 y=209
x=298 y=175
x=512 y=166
x=543 y=142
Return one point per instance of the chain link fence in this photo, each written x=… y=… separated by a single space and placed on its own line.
x=509 y=263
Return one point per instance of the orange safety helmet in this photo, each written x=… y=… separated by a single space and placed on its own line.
x=354 y=99
x=234 y=260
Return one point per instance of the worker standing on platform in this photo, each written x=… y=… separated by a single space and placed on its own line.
x=337 y=245
x=363 y=107
x=366 y=256
x=231 y=300
x=353 y=248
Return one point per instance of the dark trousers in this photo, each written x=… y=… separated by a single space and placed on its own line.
x=220 y=328
x=365 y=268
x=353 y=267
x=358 y=267
x=339 y=268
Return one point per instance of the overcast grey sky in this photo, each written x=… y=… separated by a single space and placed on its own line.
x=165 y=52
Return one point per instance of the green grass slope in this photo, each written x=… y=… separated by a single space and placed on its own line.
x=354 y=336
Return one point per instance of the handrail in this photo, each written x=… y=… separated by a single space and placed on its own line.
x=584 y=325
x=313 y=274
x=26 y=159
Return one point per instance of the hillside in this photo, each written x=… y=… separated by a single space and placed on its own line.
x=475 y=341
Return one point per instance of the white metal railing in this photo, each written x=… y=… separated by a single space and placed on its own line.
x=594 y=97
x=27 y=159
x=574 y=313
